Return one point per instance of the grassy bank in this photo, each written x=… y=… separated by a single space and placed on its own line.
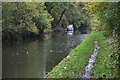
x=73 y=65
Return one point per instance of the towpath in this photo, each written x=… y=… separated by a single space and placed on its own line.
x=88 y=68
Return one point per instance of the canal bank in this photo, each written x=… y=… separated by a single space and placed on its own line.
x=73 y=65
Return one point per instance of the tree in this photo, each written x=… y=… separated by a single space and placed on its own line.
x=67 y=13
x=106 y=14
x=25 y=17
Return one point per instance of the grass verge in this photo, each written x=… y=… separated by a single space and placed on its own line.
x=73 y=66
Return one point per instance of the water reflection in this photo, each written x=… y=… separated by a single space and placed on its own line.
x=34 y=58
x=70 y=33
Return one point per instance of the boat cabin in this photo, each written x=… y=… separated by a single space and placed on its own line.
x=70 y=27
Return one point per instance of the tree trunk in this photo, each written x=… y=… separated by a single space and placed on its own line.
x=60 y=18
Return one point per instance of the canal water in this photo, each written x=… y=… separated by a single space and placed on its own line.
x=36 y=57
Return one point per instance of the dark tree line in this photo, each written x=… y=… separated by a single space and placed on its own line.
x=35 y=18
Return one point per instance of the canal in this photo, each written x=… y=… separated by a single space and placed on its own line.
x=36 y=57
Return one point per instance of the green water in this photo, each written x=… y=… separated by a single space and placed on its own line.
x=34 y=58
